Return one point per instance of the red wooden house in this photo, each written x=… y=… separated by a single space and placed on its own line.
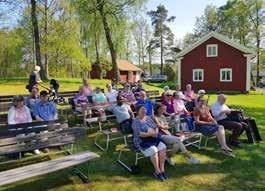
x=215 y=63
x=128 y=72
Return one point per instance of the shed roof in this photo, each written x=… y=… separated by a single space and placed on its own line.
x=125 y=65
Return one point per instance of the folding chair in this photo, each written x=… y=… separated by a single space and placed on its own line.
x=191 y=137
x=110 y=135
x=126 y=130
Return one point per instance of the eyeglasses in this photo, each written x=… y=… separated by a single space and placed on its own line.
x=169 y=95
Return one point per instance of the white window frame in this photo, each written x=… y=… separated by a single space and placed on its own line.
x=226 y=70
x=194 y=71
x=211 y=46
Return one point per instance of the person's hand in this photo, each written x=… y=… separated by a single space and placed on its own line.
x=214 y=122
x=152 y=133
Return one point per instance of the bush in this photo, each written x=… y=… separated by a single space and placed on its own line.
x=170 y=72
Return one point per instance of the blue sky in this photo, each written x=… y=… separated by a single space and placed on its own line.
x=185 y=11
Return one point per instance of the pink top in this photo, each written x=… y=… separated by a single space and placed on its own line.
x=189 y=94
x=179 y=106
x=88 y=90
x=17 y=116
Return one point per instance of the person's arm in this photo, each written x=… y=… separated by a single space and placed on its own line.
x=130 y=111
x=76 y=102
x=36 y=114
x=159 y=125
x=11 y=116
x=197 y=119
x=55 y=113
x=29 y=118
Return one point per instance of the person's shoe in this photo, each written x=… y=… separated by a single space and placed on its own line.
x=228 y=153
x=159 y=176
x=36 y=151
x=169 y=161
x=193 y=160
x=235 y=144
x=46 y=150
x=164 y=175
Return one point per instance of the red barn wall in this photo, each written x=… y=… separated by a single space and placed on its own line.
x=110 y=74
x=228 y=57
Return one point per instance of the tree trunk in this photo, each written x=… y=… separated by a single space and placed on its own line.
x=109 y=40
x=45 y=37
x=161 y=54
x=258 y=57
x=37 y=39
x=150 y=62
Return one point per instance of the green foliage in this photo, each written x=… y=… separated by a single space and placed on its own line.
x=163 y=36
x=170 y=72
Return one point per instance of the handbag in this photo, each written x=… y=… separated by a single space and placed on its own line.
x=236 y=116
x=253 y=131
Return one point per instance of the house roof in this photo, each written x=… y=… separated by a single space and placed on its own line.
x=219 y=37
x=125 y=65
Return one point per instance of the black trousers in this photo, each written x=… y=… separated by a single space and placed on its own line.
x=237 y=128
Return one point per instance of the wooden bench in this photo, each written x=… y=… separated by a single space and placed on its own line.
x=22 y=173
x=15 y=139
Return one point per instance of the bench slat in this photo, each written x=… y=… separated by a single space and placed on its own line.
x=58 y=139
x=46 y=167
x=38 y=136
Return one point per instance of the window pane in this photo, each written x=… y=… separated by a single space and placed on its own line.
x=213 y=51
x=200 y=75
x=209 y=51
x=228 y=75
x=223 y=75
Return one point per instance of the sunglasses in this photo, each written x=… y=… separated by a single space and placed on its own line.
x=169 y=95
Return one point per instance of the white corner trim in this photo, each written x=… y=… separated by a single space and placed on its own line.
x=248 y=75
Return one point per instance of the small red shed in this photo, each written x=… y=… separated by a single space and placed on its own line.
x=215 y=63
x=128 y=72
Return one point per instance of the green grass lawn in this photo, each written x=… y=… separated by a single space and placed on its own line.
x=14 y=86
x=215 y=173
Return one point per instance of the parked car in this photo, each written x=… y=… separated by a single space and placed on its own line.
x=156 y=78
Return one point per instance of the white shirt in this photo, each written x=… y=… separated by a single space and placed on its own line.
x=217 y=109
x=13 y=113
x=112 y=96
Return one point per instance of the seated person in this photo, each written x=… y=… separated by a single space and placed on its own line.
x=220 y=112
x=111 y=95
x=45 y=110
x=81 y=101
x=144 y=100
x=178 y=90
x=122 y=111
x=19 y=113
x=139 y=87
x=168 y=102
x=127 y=94
x=173 y=141
x=163 y=96
x=99 y=103
x=189 y=93
x=146 y=139
x=180 y=109
x=201 y=94
x=87 y=88
x=32 y=99
x=190 y=96
x=206 y=125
